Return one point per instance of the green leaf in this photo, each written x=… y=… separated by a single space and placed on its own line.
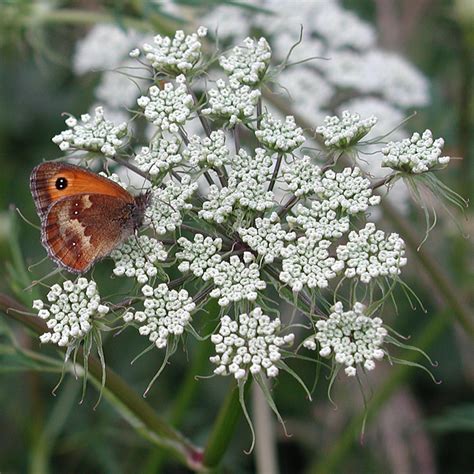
x=458 y=418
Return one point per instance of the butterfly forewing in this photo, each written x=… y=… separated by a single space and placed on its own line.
x=51 y=181
x=79 y=230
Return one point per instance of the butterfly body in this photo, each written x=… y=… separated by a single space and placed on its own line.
x=83 y=216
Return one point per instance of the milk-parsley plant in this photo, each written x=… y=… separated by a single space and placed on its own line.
x=241 y=214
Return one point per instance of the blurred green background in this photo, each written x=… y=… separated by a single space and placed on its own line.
x=417 y=426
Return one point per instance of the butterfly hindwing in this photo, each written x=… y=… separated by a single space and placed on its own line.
x=79 y=230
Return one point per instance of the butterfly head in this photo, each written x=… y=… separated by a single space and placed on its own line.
x=141 y=202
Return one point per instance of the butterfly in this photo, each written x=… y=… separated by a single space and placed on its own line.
x=83 y=216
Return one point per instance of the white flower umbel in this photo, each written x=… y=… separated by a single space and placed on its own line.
x=95 y=134
x=346 y=131
x=175 y=56
x=267 y=237
x=161 y=156
x=246 y=188
x=250 y=345
x=247 y=64
x=166 y=205
x=348 y=190
x=307 y=262
x=251 y=175
x=417 y=154
x=235 y=280
x=279 y=136
x=320 y=220
x=352 y=337
x=232 y=102
x=207 y=152
x=370 y=254
x=166 y=314
x=70 y=311
x=220 y=203
x=167 y=108
x=115 y=178
x=199 y=255
x=302 y=176
x=137 y=258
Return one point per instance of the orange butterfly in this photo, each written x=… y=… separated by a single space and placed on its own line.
x=83 y=216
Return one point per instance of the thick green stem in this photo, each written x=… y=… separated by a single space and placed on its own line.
x=224 y=427
x=143 y=417
x=331 y=461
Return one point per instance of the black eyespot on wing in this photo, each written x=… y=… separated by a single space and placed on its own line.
x=61 y=183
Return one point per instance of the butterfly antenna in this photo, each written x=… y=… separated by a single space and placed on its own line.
x=37 y=282
x=26 y=220
x=33 y=265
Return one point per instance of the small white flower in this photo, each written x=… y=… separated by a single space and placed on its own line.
x=352 y=337
x=175 y=56
x=199 y=255
x=306 y=262
x=302 y=176
x=282 y=137
x=137 y=258
x=251 y=344
x=210 y=151
x=417 y=154
x=246 y=187
x=348 y=190
x=346 y=131
x=97 y=134
x=70 y=316
x=232 y=102
x=235 y=280
x=370 y=254
x=247 y=64
x=161 y=156
x=167 y=108
x=167 y=313
x=320 y=221
x=167 y=204
x=267 y=238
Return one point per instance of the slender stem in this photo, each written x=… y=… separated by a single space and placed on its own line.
x=332 y=459
x=259 y=112
x=275 y=172
x=287 y=207
x=224 y=427
x=131 y=167
x=161 y=432
x=266 y=458
x=202 y=119
x=383 y=182
x=236 y=138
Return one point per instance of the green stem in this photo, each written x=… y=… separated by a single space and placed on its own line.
x=142 y=416
x=275 y=172
x=187 y=391
x=332 y=460
x=224 y=427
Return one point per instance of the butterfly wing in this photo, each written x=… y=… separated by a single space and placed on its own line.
x=51 y=181
x=79 y=230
